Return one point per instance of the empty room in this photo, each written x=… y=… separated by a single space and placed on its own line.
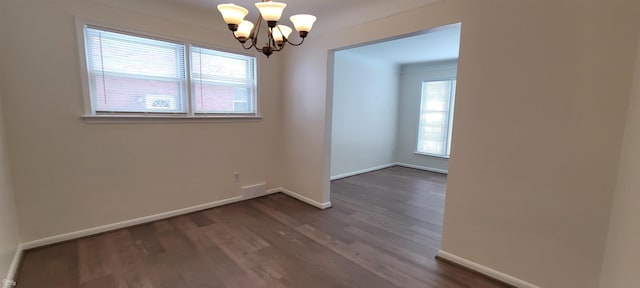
x=392 y=106
x=192 y=143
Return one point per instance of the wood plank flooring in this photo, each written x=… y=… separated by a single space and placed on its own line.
x=383 y=231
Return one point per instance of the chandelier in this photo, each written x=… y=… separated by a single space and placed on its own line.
x=270 y=12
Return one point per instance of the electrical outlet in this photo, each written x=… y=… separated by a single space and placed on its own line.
x=236 y=177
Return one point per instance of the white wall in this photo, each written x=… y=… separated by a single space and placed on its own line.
x=364 y=113
x=622 y=258
x=542 y=89
x=70 y=175
x=411 y=78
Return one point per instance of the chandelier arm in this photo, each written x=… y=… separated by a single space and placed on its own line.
x=243 y=43
x=278 y=47
x=270 y=41
x=250 y=46
x=254 y=37
x=294 y=44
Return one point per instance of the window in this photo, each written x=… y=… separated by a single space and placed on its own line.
x=436 y=115
x=222 y=82
x=137 y=75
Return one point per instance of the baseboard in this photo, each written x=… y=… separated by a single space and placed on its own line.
x=137 y=221
x=349 y=174
x=304 y=199
x=251 y=194
x=441 y=171
x=156 y=217
x=274 y=191
x=126 y=223
x=13 y=267
x=508 y=279
x=6 y=283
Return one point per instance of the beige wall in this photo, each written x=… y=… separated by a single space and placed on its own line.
x=9 y=235
x=622 y=258
x=70 y=175
x=542 y=94
x=9 y=238
x=305 y=138
x=540 y=110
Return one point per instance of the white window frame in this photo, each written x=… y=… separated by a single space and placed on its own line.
x=449 y=120
x=135 y=117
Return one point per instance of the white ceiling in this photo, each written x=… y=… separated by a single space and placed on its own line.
x=317 y=7
x=433 y=45
x=332 y=14
x=442 y=43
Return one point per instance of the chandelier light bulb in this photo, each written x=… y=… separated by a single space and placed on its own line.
x=244 y=30
x=271 y=11
x=232 y=13
x=303 y=22
x=281 y=32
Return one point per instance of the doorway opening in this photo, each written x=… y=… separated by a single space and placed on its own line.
x=392 y=113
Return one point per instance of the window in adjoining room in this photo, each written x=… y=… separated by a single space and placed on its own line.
x=436 y=117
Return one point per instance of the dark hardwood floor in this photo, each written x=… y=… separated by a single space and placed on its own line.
x=383 y=231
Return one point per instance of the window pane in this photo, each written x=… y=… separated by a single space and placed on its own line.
x=437 y=95
x=133 y=55
x=134 y=74
x=222 y=82
x=123 y=94
x=212 y=98
x=208 y=65
x=434 y=130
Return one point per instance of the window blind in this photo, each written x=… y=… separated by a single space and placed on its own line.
x=129 y=73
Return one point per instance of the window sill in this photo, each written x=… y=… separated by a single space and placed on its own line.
x=160 y=119
x=432 y=155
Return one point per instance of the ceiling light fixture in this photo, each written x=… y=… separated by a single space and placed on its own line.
x=270 y=12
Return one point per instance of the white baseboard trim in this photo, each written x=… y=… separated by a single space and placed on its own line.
x=441 y=171
x=13 y=268
x=486 y=270
x=304 y=199
x=137 y=221
x=273 y=191
x=6 y=283
x=126 y=223
x=146 y=219
x=349 y=174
